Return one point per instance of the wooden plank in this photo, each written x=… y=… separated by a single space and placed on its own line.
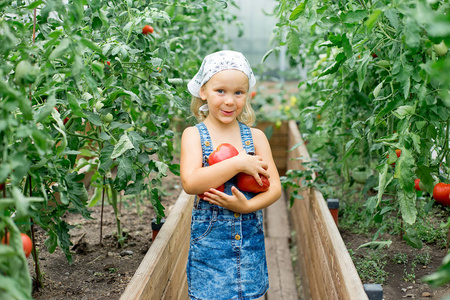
x=281 y=274
x=327 y=271
x=153 y=273
x=345 y=274
x=178 y=274
x=277 y=219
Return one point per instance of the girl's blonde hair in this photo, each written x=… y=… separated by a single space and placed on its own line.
x=247 y=116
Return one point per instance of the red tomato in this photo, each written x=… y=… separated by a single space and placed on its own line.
x=108 y=63
x=65 y=120
x=416 y=184
x=248 y=183
x=147 y=29
x=223 y=151
x=253 y=94
x=220 y=188
x=26 y=243
x=441 y=193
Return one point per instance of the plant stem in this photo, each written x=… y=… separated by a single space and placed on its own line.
x=83 y=136
x=101 y=213
x=33 y=241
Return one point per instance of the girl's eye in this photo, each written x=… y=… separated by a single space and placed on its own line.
x=239 y=93
x=220 y=91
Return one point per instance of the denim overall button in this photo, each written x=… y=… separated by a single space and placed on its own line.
x=207 y=143
x=247 y=143
x=236 y=215
x=237 y=237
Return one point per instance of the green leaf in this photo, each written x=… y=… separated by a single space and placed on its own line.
x=45 y=110
x=156 y=203
x=412 y=34
x=370 y=23
x=362 y=69
x=377 y=89
x=382 y=182
x=392 y=16
x=74 y=105
x=441 y=276
x=293 y=42
x=123 y=145
x=424 y=173
x=93 y=47
x=412 y=238
x=34 y=4
x=405 y=111
x=347 y=46
x=60 y=50
x=298 y=11
x=354 y=16
x=98 y=69
x=340 y=59
x=25 y=107
x=408 y=209
x=376 y=245
x=125 y=171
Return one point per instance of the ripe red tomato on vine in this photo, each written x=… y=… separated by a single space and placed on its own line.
x=26 y=243
x=441 y=193
x=147 y=29
x=417 y=184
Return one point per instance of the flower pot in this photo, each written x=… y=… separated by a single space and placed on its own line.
x=156 y=227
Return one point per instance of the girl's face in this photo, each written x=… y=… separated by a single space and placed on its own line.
x=226 y=93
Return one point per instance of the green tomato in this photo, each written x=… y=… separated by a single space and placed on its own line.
x=383 y=63
x=107 y=118
x=440 y=49
x=26 y=73
x=99 y=105
x=360 y=175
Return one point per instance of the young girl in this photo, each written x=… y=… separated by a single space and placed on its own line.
x=226 y=256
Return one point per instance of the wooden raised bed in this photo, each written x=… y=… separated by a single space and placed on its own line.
x=328 y=271
x=162 y=274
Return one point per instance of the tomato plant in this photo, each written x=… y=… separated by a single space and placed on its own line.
x=376 y=74
x=72 y=56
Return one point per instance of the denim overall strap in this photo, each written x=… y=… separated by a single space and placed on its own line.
x=247 y=140
x=205 y=139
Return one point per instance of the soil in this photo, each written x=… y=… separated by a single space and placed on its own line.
x=100 y=272
x=398 y=285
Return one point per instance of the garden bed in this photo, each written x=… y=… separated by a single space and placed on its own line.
x=100 y=272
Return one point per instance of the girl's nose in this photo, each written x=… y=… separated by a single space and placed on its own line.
x=229 y=100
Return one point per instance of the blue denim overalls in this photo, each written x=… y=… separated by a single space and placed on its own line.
x=227 y=258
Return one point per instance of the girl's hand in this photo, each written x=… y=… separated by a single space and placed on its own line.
x=254 y=166
x=236 y=202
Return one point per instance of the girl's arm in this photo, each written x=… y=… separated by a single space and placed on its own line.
x=237 y=202
x=197 y=179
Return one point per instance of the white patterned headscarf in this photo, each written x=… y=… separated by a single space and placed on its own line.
x=219 y=61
